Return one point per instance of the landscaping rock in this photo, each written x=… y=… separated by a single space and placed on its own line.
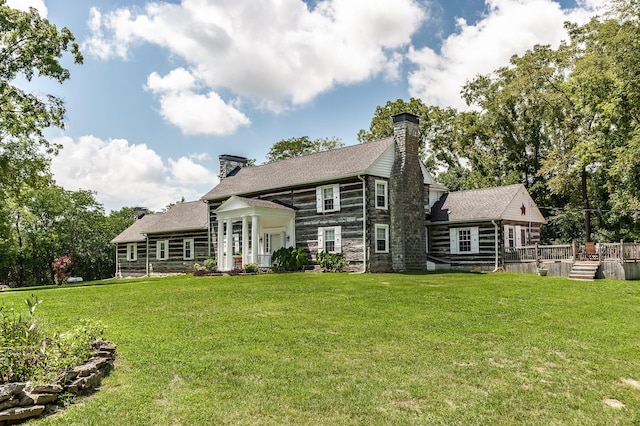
x=22 y=401
x=43 y=398
x=107 y=347
x=10 y=389
x=21 y=413
x=53 y=388
x=9 y=404
x=25 y=399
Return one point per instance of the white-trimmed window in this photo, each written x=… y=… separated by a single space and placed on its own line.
x=514 y=236
x=162 y=249
x=464 y=240
x=188 y=248
x=132 y=252
x=330 y=239
x=382 y=238
x=382 y=194
x=328 y=198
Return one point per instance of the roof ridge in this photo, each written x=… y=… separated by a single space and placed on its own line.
x=487 y=188
x=333 y=150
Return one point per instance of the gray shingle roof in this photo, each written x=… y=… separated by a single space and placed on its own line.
x=255 y=202
x=475 y=204
x=136 y=231
x=319 y=167
x=180 y=217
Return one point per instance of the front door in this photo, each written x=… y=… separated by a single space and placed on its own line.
x=276 y=242
x=273 y=242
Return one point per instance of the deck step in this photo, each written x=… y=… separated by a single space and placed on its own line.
x=585 y=270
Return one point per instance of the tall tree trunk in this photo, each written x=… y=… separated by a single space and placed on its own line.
x=587 y=208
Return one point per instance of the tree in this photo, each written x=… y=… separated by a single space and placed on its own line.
x=296 y=147
x=29 y=46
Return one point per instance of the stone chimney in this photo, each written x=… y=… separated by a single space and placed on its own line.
x=230 y=165
x=406 y=197
x=139 y=212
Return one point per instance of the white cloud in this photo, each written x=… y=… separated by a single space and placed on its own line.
x=194 y=113
x=509 y=27
x=125 y=174
x=276 y=53
x=26 y=4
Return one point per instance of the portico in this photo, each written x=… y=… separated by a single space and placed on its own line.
x=265 y=227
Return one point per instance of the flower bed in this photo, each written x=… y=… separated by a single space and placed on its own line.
x=20 y=402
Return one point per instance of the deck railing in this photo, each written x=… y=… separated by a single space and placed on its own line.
x=604 y=251
x=535 y=253
x=630 y=251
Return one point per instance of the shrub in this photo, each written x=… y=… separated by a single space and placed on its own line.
x=289 y=259
x=62 y=268
x=332 y=262
x=211 y=264
x=251 y=268
x=26 y=354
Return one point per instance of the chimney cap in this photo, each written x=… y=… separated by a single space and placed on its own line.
x=236 y=158
x=406 y=116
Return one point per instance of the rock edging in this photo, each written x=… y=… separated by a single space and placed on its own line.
x=20 y=402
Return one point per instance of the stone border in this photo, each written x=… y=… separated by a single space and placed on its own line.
x=20 y=402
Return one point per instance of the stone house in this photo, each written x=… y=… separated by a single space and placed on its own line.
x=368 y=201
x=375 y=203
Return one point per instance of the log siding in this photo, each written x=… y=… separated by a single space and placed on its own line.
x=175 y=263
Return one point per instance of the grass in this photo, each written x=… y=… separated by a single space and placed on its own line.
x=339 y=349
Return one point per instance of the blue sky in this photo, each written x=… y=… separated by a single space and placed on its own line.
x=166 y=87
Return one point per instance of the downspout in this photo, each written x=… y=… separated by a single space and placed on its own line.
x=495 y=227
x=364 y=224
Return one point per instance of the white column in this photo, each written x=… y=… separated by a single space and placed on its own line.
x=254 y=239
x=220 y=251
x=229 y=259
x=245 y=240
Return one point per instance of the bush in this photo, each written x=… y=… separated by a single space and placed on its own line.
x=26 y=354
x=251 y=268
x=62 y=268
x=289 y=259
x=211 y=264
x=332 y=262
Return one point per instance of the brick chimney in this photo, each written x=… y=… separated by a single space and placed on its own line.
x=406 y=197
x=230 y=165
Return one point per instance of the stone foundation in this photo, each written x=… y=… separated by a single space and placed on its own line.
x=20 y=402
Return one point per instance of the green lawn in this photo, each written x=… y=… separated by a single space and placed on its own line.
x=340 y=349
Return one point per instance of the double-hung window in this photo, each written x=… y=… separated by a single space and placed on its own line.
x=464 y=240
x=382 y=238
x=187 y=249
x=132 y=252
x=328 y=198
x=330 y=239
x=162 y=249
x=381 y=195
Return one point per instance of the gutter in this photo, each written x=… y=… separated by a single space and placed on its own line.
x=453 y=222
